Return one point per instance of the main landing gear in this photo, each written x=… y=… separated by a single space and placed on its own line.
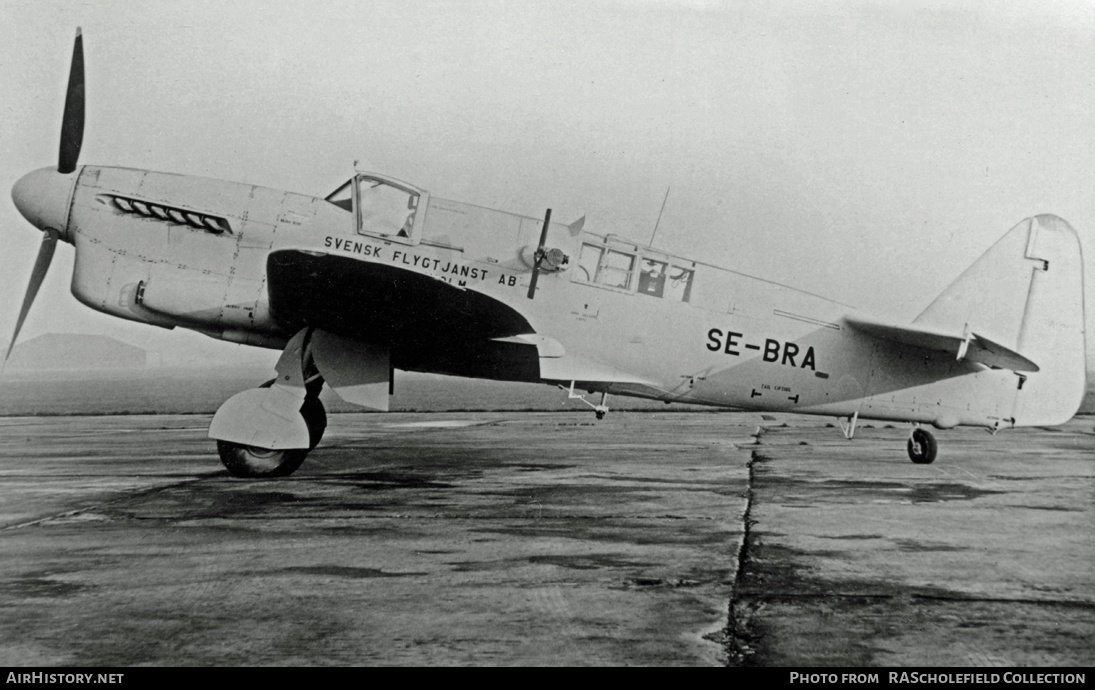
x=251 y=462
x=269 y=430
x=922 y=446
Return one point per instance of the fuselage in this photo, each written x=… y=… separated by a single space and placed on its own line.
x=607 y=314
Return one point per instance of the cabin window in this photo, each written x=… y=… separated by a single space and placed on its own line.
x=343 y=197
x=610 y=267
x=616 y=269
x=679 y=284
x=384 y=209
x=589 y=261
x=652 y=277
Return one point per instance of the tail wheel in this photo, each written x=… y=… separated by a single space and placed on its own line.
x=250 y=463
x=922 y=447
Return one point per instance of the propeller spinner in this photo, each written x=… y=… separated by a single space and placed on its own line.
x=43 y=196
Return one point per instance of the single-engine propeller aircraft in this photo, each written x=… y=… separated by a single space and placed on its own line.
x=380 y=275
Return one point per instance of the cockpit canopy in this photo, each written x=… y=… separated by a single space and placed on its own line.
x=383 y=207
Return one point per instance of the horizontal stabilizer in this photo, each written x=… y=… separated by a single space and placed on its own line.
x=970 y=346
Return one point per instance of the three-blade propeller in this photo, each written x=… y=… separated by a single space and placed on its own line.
x=41 y=265
x=72 y=137
x=72 y=126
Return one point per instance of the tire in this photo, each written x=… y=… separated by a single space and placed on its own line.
x=922 y=447
x=248 y=462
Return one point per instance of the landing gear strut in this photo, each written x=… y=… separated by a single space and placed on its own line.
x=315 y=416
x=922 y=446
x=598 y=410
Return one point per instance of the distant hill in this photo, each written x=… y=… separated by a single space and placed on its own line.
x=68 y=351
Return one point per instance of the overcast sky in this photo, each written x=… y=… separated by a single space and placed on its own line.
x=867 y=151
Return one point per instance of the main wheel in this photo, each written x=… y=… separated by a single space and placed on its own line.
x=922 y=447
x=251 y=463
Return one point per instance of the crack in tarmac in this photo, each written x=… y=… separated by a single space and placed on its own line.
x=750 y=608
x=739 y=635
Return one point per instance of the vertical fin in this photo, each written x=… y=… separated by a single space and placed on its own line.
x=1027 y=293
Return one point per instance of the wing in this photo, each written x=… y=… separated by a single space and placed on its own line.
x=970 y=346
x=428 y=324
x=558 y=366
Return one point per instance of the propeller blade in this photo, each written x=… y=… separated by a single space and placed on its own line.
x=539 y=255
x=41 y=265
x=72 y=126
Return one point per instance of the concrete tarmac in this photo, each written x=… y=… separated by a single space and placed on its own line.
x=547 y=539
